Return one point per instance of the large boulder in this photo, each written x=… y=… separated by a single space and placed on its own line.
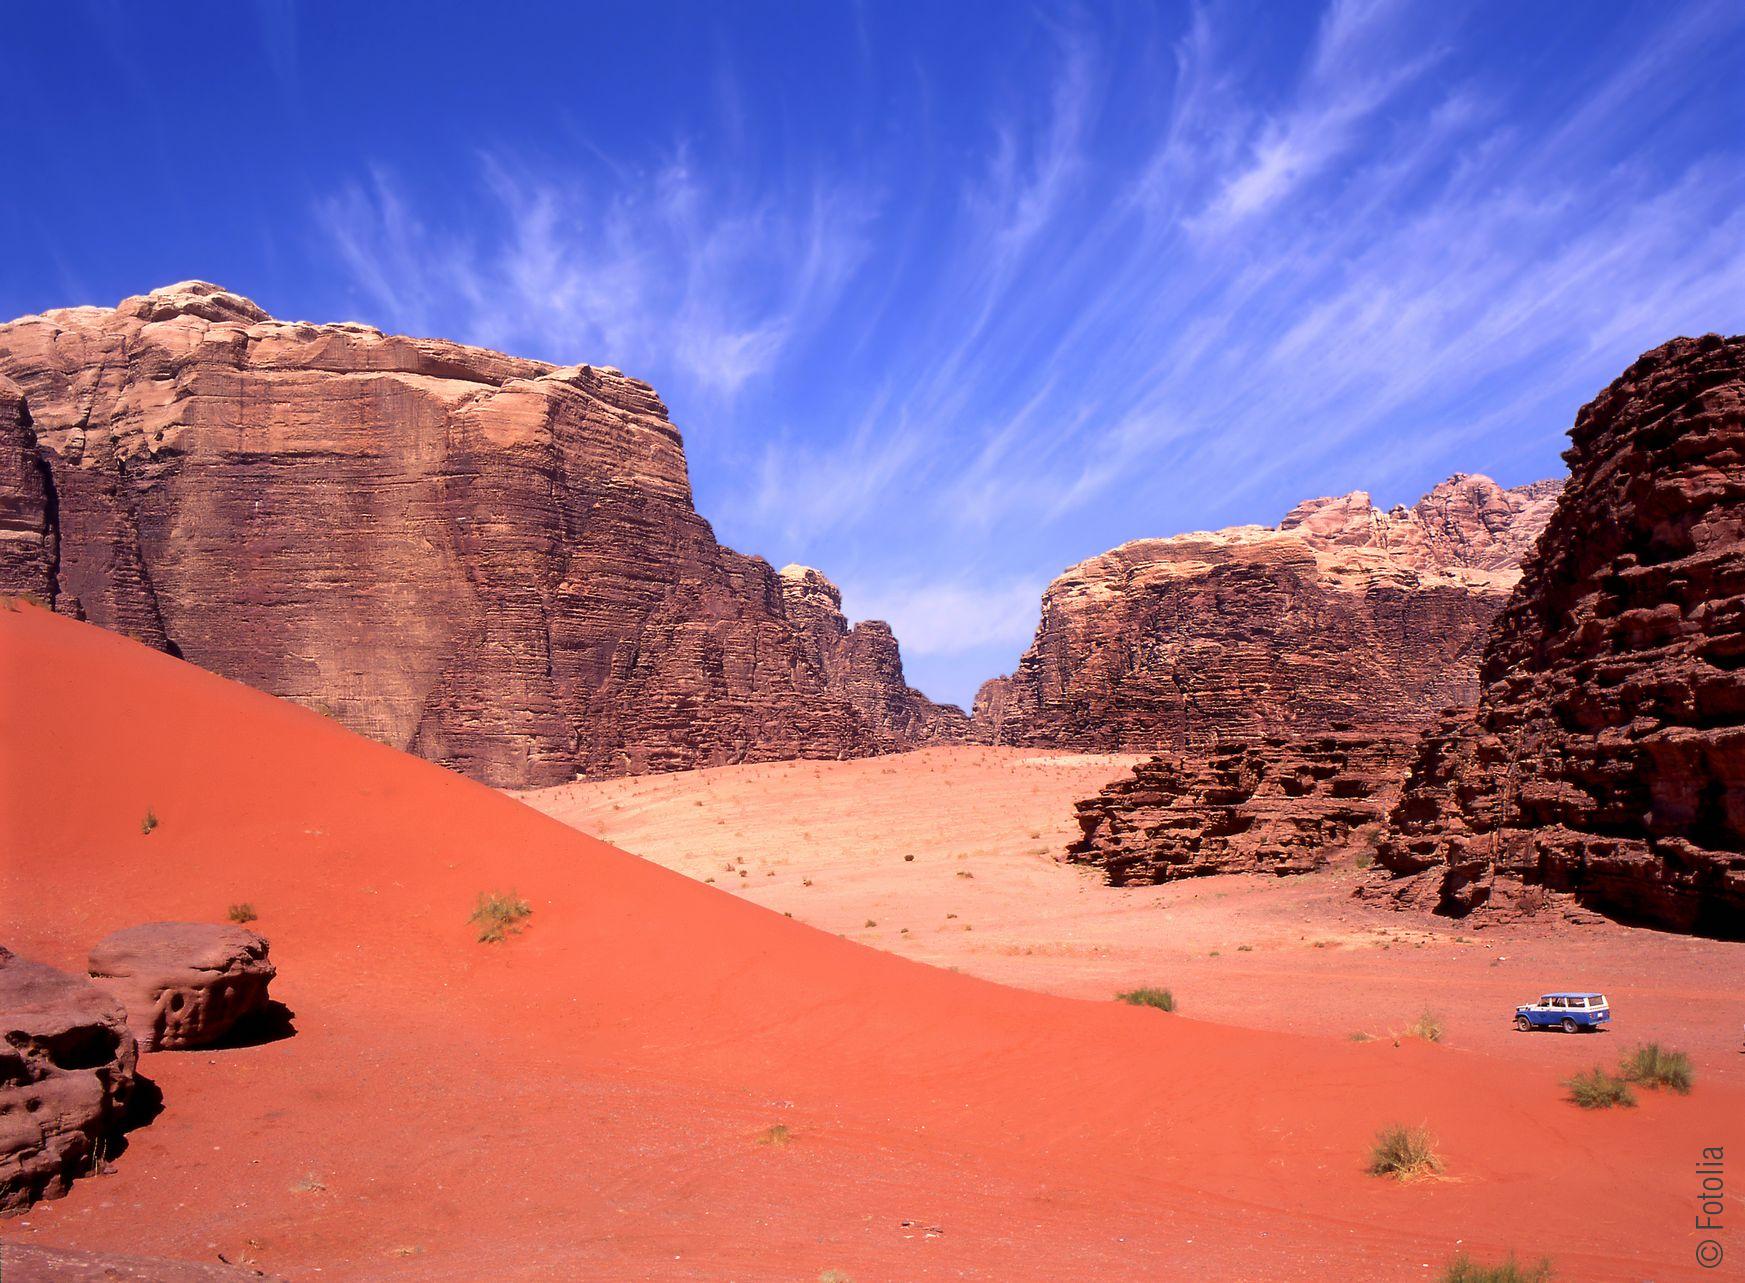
x=66 y=1070
x=183 y=984
x=1606 y=757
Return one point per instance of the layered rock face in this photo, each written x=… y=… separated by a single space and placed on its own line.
x=1342 y=613
x=66 y=1071
x=489 y=561
x=1606 y=757
x=1277 y=805
x=183 y=984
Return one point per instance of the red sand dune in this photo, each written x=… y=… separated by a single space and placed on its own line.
x=585 y=1101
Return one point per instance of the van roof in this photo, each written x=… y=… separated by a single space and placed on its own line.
x=1573 y=993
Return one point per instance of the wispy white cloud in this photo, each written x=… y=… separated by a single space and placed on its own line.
x=951 y=616
x=645 y=270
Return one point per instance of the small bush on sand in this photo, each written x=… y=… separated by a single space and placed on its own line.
x=149 y=823
x=1652 y=1065
x=1463 y=1269
x=1162 y=999
x=778 y=1136
x=498 y=915
x=1360 y=1036
x=834 y=1276
x=1427 y=1026
x=1596 y=1089
x=1405 y=1153
x=243 y=913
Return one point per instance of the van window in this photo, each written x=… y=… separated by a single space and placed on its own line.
x=1560 y=1002
x=1578 y=1002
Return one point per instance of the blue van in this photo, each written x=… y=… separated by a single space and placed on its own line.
x=1570 y=1012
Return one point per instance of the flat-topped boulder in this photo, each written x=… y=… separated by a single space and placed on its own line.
x=66 y=1070
x=183 y=984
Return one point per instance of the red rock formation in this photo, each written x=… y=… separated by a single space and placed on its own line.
x=66 y=1071
x=26 y=1263
x=1341 y=614
x=1278 y=805
x=183 y=984
x=489 y=561
x=1606 y=758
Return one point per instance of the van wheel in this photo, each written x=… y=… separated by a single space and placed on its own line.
x=1523 y=1024
x=1568 y=1025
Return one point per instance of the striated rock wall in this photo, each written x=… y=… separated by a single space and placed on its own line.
x=1277 y=805
x=489 y=561
x=1343 y=613
x=1606 y=757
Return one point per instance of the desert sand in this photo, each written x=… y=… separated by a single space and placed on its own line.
x=594 y=1098
x=987 y=894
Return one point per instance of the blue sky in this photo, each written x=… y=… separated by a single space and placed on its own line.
x=945 y=296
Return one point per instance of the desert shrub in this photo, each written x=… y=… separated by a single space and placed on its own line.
x=778 y=1135
x=1596 y=1089
x=1652 y=1065
x=243 y=913
x=1405 y=1153
x=834 y=1276
x=1427 y=1026
x=149 y=823
x=871 y=923
x=497 y=915
x=1463 y=1269
x=1162 y=999
x=1360 y=1036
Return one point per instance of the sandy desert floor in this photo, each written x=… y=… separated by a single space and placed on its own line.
x=987 y=894
x=661 y=1080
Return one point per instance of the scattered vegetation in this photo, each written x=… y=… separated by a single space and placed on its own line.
x=499 y=915
x=778 y=1136
x=1654 y=1066
x=1405 y=1153
x=310 y=1184
x=871 y=923
x=149 y=823
x=242 y=913
x=1162 y=999
x=1596 y=1089
x=1463 y=1269
x=1428 y=1026
x=834 y=1276
x=1360 y=1036
x=1244 y=948
x=908 y=859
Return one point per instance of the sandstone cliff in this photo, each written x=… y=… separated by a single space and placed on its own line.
x=490 y=561
x=1276 y=805
x=1342 y=614
x=1606 y=757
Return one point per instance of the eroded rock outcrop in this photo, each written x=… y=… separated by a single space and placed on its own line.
x=1276 y=805
x=183 y=984
x=490 y=561
x=1342 y=614
x=26 y=1263
x=66 y=1072
x=1606 y=757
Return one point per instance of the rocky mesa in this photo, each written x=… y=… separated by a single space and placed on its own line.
x=1342 y=614
x=489 y=561
x=1606 y=757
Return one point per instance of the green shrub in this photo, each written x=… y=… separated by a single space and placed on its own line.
x=1652 y=1065
x=243 y=913
x=1162 y=999
x=1405 y=1153
x=149 y=823
x=1463 y=1269
x=778 y=1136
x=498 y=915
x=1596 y=1089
